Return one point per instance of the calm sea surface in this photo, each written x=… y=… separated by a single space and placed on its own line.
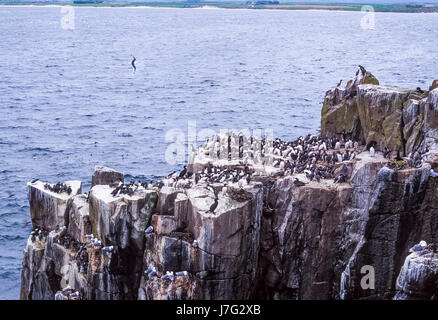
x=69 y=99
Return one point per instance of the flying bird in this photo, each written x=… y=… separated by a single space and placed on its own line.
x=133 y=64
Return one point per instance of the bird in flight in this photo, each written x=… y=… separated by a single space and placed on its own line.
x=133 y=63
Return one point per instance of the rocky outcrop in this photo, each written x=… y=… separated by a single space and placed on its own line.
x=385 y=117
x=255 y=218
x=418 y=278
x=50 y=209
x=218 y=249
x=104 y=175
x=340 y=113
x=64 y=255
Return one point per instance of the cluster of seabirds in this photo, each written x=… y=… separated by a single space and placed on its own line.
x=68 y=293
x=59 y=187
x=128 y=189
x=312 y=155
x=38 y=234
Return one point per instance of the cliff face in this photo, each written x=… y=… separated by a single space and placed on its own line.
x=253 y=218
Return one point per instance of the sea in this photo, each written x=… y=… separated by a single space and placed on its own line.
x=70 y=98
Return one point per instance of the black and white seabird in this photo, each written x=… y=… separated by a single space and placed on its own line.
x=183 y=172
x=298 y=183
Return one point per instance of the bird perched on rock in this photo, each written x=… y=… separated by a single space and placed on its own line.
x=240 y=183
x=67 y=289
x=151 y=271
x=372 y=151
x=96 y=242
x=169 y=275
x=419 y=246
x=108 y=249
x=341 y=178
x=183 y=172
x=195 y=243
x=298 y=183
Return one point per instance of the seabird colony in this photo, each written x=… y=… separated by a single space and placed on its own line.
x=56 y=188
x=233 y=160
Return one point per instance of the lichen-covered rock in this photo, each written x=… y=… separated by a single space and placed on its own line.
x=339 y=114
x=104 y=175
x=380 y=112
x=393 y=119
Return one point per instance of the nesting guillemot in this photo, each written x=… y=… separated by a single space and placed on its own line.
x=298 y=183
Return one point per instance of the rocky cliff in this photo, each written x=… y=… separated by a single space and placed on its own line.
x=254 y=217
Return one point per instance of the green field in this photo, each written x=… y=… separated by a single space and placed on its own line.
x=240 y=5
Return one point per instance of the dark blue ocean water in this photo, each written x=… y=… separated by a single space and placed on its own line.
x=69 y=99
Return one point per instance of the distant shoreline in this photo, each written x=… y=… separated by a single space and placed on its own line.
x=431 y=8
